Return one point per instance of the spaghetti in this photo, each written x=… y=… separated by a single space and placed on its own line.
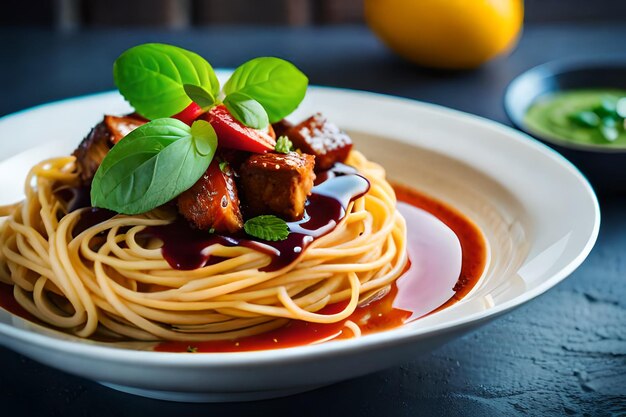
x=112 y=279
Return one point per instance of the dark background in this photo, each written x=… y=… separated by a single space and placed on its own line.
x=180 y=14
x=564 y=353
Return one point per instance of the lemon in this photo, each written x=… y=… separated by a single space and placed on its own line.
x=455 y=34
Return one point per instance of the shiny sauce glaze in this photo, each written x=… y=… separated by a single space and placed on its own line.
x=77 y=198
x=186 y=248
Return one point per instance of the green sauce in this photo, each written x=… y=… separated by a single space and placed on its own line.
x=558 y=116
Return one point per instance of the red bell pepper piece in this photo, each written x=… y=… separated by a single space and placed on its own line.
x=189 y=113
x=233 y=134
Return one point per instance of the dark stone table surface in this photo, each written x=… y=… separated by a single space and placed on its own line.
x=564 y=353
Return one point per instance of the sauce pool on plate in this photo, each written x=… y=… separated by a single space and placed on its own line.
x=442 y=271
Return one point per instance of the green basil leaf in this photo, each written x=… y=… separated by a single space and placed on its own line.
x=247 y=110
x=200 y=96
x=275 y=83
x=153 y=164
x=152 y=78
x=204 y=138
x=267 y=227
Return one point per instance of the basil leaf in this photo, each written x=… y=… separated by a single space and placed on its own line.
x=200 y=96
x=204 y=138
x=153 y=164
x=275 y=83
x=283 y=145
x=247 y=110
x=151 y=77
x=267 y=227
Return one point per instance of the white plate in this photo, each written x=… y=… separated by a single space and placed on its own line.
x=538 y=213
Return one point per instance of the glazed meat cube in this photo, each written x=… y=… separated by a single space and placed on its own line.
x=100 y=140
x=316 y=136
x=122 y=126
x=278 y=184
x=212 y=202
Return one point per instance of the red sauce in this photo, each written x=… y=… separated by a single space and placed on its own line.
x=91 y=217
x=380 y=316
x=77 y=198
x=10 y=304
x=471 y=239
x=411 y=297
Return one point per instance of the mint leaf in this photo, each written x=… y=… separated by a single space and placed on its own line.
x=200 y=96
x=283 y=145
x=267 y=227
x=246 y=110
x=275 y=83
x=151 y=77
x=153 y=164
x=223 y=166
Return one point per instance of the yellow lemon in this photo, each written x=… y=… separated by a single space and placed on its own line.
x=454 y=34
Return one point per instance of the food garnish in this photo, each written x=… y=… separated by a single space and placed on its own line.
x=152 y=78
x=283 y=145
x=267 y=227
x=153 y=164
x=174 y=88
x=276 y=84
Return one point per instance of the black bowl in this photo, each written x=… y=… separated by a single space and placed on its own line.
x=604 y=166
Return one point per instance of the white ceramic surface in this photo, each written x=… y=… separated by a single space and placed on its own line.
x=539 y=215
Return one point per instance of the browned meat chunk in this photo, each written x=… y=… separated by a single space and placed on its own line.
x=277 y=184
x=92 y=150
x=100 y=140
x=316 y=136
x=212 y=202
x=122 y=126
